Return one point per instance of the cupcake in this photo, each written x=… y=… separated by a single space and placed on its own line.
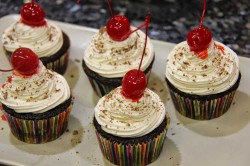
x=131 y=121
x=111 y=53
x=36 y=101
x=202 y=75
x=131 y=132
x=45 y=38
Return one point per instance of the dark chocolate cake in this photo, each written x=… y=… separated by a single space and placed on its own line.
x=102 y=85
x=125 y=140
x=39 y=116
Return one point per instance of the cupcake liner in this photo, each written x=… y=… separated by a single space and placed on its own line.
x=202 y=107
x=58 y=65
x=137 y=153
x=102 y=85
x=40 y=130
x=132 y=154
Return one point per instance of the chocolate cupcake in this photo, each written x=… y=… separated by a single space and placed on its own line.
x=106 y=61
x=114 y=51
x=131 y=132
x=36 y=101
x=202 y=88
x=45 y=38
x=202 y=75
x=131 y=121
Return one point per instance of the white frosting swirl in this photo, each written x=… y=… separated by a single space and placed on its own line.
x=190 y=74
x=35 y=94
x=43 y=40
x=112 y=59
x=121 y=117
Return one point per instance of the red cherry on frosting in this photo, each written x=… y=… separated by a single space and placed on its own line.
x=24 y=61
x=118 y=27
x=133 y=84
x=199 y=39
x=32 y=14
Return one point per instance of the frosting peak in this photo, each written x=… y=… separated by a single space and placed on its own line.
x=35 y=94
x=112 y=59
x=43 y=40
x=120 y=116
x=214 y=74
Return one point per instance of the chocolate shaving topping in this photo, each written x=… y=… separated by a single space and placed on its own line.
x=50 y=37
x=57 y=90
x=185 y=63
x=205 y=67
x=10 y=37
x=5 y=95
x=204 y=75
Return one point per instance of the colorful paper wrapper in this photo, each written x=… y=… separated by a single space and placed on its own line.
x=39 y=131
x=59 y=65
x=136 y=154
x=202 y=107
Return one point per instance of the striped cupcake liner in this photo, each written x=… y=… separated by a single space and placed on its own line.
x=202 y=107
x=135 y=152
x=58 y=65
x=39 y=131
x=132 y=154
x=102 y=88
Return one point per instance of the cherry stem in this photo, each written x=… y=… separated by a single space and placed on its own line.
x=130 y=32
x=203 y=13
x=6 y=70
x=147 y=21
x=110 y=9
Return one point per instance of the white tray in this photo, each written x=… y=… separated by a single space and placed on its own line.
x=219 y=142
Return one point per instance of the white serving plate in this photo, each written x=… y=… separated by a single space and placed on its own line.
x=219 y=142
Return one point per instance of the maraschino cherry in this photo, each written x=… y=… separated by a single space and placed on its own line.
x=134 y=82
x=117 y=26
x=32 y=14
x=24 y=61
x=199 y=38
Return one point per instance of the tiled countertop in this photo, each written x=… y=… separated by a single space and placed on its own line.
x=229 y=21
